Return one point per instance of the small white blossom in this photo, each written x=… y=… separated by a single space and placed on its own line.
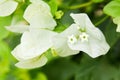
x=83 y=37
x=72 y=39
x=7 y=7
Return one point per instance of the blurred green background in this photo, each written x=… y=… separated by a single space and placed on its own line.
x=77 y=67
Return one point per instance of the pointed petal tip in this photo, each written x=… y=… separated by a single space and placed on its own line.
x=8 y=7
x=32 y=63
x=106 y=50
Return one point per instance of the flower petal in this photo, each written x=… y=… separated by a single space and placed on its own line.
x=117 y=21
x=118 y=28
x=32 y=63
x=33 y=44
x=39 y=16
x=61 y=47
x=82 y=20
x=98 y=48
x=7 y=7
x=72 y=29
x=81 y=46
x=95 y=33
x=18 y=28
x=40 y=2
x=93 y=47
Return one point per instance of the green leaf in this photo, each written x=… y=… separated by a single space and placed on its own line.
x=4 y=58
x=84 y=70
x=105 y=71
x=23 y=74
x=64 y=22
x=112 y=8
x=60 y=69
x=110 y=33
x=96 y=69
x=4 y=21
x=41 y=76
x=97 y=1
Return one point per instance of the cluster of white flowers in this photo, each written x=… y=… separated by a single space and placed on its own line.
x=38 y=36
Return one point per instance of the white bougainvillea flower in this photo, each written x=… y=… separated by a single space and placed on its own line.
x=84 y=37
x=72 y=39
x=33 y=44
x=117 y=21
x=39 y=16
x=7 y=7
x=30 y=52
x=32 y=63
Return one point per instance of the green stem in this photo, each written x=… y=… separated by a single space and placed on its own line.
x=81 y=5
x=102 y=20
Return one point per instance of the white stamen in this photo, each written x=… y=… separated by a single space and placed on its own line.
x=84 y=37
x=72 y=39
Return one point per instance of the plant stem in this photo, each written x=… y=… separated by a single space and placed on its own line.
x=81 y=5
x=102 y=20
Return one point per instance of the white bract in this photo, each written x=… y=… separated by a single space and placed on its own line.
x=117 y=21
x=81 y=36
x=39 y=16
x=33 y=45
x=7 y=7
x=32 y=63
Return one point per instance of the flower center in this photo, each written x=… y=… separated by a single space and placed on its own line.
x=72 y=39
x=81 y=29
x=84 y=36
